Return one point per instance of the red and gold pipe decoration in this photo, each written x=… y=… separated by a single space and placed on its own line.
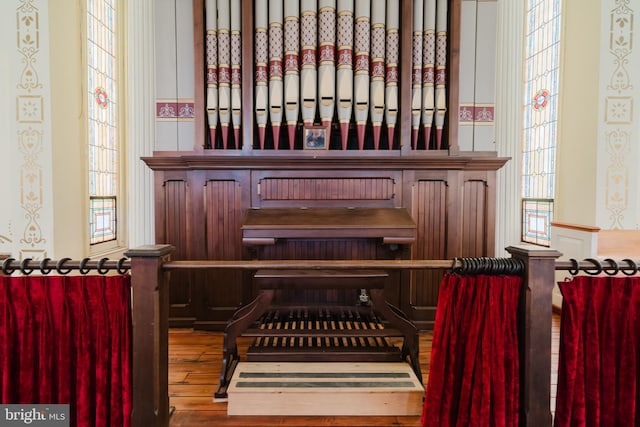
x=236 y=76
x=361 y=80
x=416 y=72
x=327 y=67
x=224 y=70
x=309 y=73
x=291 y=67
x=276 y=52
x=344 y=76
x=211 y=24
x=393 y=59
x=261 y=68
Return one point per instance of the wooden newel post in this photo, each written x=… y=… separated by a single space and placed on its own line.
x=534 y=330
x=150 y=335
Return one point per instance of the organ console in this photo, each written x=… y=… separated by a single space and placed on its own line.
x=295 y=327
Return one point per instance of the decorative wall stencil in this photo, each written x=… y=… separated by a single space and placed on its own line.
x=618 y=110
x=620 y=45
x=618 y=119
x=478 y=114
x=30 y=125
x=29 y=109
x=172 y=110
x=617 y=174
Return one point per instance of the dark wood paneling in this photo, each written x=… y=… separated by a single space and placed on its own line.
x=474 y=220
x=175 y=233
x=296 y=188
x=220 y=293
x=430 y=200
x=326 y=188
x=201 y=201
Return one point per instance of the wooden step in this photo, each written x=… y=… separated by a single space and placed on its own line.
x=328 y=389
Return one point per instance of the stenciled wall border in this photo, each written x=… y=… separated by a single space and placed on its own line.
x=617 y=128
x=30 y=125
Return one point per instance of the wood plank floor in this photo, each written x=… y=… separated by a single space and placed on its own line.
x=195 y=359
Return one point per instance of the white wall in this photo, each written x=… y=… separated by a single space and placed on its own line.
x=174 y=75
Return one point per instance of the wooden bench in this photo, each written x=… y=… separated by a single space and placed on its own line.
x=319 y=333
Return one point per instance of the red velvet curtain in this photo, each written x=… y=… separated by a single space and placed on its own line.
x=474 y=371
x=599 y=351
x=67 y=339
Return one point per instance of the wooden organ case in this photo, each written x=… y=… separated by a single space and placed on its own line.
x=391 y=142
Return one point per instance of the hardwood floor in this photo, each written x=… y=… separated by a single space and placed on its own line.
x=195 y=359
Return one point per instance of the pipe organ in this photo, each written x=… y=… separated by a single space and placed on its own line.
x=381 y=78
x=336 y=64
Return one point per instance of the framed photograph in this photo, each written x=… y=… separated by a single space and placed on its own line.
x=315 y=138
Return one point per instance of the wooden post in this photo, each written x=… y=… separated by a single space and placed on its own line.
x=150 y=335
x=534 y=320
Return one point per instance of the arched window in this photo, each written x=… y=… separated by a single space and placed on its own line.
x=542 y=53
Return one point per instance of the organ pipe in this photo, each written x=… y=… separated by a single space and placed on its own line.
x=362 y=43
x=211 y=9
x=291 y=68
x=224 y=69
x=236 y=71
x=325 y=59
x=276 y=89
x=345 y=68
x=327 y=67
x=261 y=68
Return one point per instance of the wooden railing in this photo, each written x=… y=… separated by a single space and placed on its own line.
x=151 y=265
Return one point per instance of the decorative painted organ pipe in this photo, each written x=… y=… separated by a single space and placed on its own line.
x=361 y=80
x=377 y=89
x=261 y=70
x=416 y=72
x=309 y=73
x=344 y=87
x=428 y=69
x=211 y=9
x=441 y=68
x=236 y=71
x=276 y=89
x=291 y=68
x=324 y=59
x=392 y=61
x=327 y=68
x=224 y=69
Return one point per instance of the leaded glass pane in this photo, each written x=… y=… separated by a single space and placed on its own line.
x=540 y=112
x=102 y=113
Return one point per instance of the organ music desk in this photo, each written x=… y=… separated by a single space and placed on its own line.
x=313 y=332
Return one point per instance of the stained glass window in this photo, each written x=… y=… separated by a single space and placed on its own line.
x=540 y=119
x=102 y=61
